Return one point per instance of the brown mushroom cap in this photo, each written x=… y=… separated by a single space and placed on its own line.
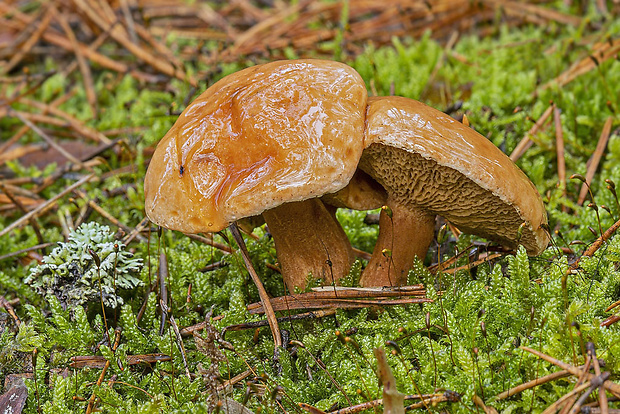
x=280 y=132
x=431 y=163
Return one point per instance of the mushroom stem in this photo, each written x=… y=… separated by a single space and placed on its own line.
x=308 y=239
x=402 y=237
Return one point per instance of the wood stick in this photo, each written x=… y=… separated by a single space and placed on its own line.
x=595 y=159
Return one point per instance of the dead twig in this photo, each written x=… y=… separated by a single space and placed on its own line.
x=264 y=322
x=559 y=148
x=177 y=336
x=91 y=401
x=538 y=381
x=611 y=386
x=339 y=297
x=45 y=206
x=34 y=38
x=594 y=161
x=602 y=397
x=265 y=301
x=526 y=142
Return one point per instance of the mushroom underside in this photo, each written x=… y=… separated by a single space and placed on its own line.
x=419 y=189
x=422 y=184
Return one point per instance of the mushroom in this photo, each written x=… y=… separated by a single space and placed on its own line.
x=268 y=139
x=430 y=164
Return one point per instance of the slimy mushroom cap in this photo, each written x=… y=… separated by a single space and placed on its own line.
x=280 y=132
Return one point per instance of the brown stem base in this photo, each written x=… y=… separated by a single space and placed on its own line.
x=308 y=239
x=407 y=234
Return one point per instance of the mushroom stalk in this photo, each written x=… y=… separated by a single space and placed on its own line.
x=308 y=239
x=402 y=237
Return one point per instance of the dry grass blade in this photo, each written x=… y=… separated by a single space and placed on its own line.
x=392 y=399
x=91 y=400
x=47 y=138
x=610 y=321
x=601 y=53
x=34 y=38
x=559 y=148
x=24 y=129
x=9 y=309
x=526 y=10
x=526 y=142
x=484 y=259
x=136 y=231
x=594 y=161
x=177 y=336
x=595 y=246
x=26 y=250
x=83 y=64
x=430 y=398
x=118 y=34
x=566 y=403
x=311 y=409
x=611 y=386
x=258 y=324
x=109 y=216
x=595 y=383
x=33 y=221
x=538 y=381
x=613 y=305
x=43 y=207
x=57 y=39
x=264 y=297
x=565 y=399
x=189 y=330
x=208 y=239
x=602 y=397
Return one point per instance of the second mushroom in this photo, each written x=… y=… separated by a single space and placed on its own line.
x=430 y=164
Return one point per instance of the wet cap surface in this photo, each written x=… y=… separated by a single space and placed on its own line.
x=273 y=133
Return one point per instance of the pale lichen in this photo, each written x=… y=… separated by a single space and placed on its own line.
x=90 y=266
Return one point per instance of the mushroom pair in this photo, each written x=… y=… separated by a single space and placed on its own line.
x=294 y=140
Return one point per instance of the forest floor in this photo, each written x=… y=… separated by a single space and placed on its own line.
x=102 y=311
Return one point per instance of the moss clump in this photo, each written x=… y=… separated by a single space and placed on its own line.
x=91 y=265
